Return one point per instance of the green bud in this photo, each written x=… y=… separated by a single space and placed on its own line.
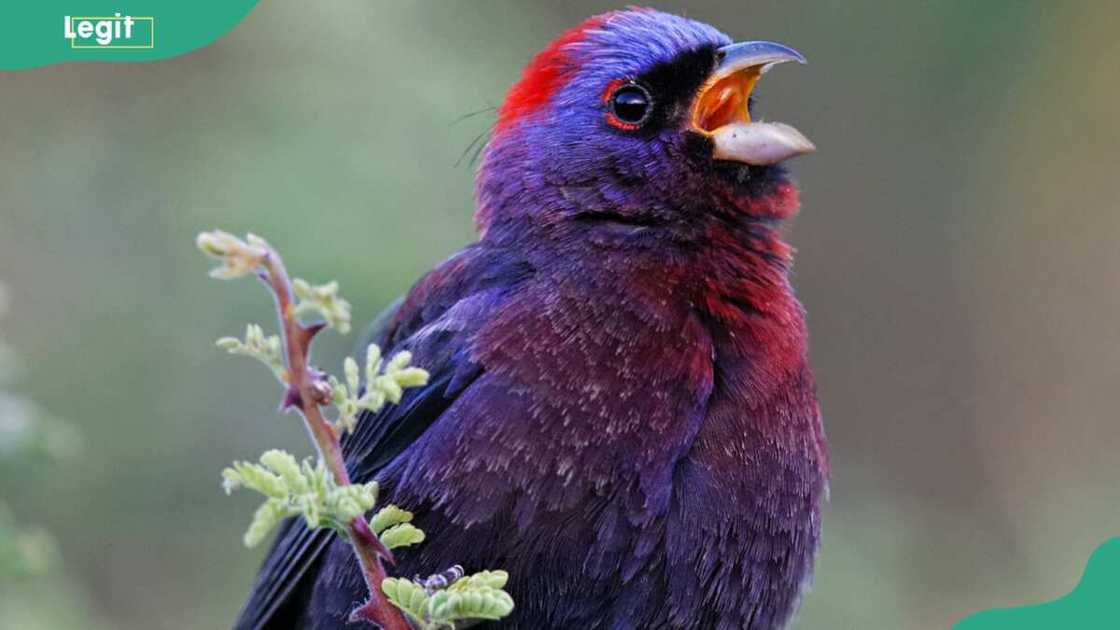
x=301 y=288
x=229 y=344
x=238 y=257
x=411 y=377
x=350 y=371
x=215 y=244
x=389 y=388
x=373 y=362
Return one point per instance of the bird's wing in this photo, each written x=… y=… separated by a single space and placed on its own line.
x=435 y=323
x=297 y=547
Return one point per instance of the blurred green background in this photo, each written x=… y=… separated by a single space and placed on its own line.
x=959 y=255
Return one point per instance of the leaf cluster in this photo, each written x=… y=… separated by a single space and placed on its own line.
x=239 y=258
x=383 y=383
x=266 y=349
x=322 y=299
x=478 y=596
x=296 y=488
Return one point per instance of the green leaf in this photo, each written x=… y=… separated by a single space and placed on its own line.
x=387 y=517
x=265 y=519
x=401 y=535
x=451 y=606
x=295 y=488
x=482 y=579
x=254 y=477
x=285 y=465
x=407 y=596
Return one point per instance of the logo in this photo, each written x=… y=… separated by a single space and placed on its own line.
x=114 y=31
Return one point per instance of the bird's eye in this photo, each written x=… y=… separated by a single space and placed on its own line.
x=631 y=105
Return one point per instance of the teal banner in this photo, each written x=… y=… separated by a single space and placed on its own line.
x=51 y=31
x=1091 y=605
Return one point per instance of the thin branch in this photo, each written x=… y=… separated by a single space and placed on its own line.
x=307 y=391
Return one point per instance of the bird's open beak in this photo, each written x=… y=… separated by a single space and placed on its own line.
x=720 y=109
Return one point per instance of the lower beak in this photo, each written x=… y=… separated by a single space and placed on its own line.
x=720 y=108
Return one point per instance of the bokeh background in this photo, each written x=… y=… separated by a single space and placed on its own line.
x=959 y=255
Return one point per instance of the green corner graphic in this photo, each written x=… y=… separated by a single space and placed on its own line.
x=1089 y=606
x=43 y=32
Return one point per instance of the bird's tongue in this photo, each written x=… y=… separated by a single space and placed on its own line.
x=759 y=143
x=725 y=101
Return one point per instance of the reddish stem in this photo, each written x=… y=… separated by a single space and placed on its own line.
x=301 y=383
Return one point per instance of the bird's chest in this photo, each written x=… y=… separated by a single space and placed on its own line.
x=631 y=450
x=611 y=380
x=631 y=374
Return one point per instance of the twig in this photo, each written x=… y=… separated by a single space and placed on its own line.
x=307 y=392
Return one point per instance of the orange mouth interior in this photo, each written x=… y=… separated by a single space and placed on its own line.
x=723 y=100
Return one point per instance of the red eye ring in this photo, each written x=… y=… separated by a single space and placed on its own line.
x=628 y=104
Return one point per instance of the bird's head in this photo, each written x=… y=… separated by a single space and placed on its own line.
x=643 y=118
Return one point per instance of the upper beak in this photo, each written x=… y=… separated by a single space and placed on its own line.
x=720 y=108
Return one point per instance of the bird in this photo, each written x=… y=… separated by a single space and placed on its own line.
x=621 y=412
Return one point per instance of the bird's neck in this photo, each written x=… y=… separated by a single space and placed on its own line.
x=735 y=279
x=727 y=265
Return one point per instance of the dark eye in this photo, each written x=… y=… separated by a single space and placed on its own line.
x=631 y=105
